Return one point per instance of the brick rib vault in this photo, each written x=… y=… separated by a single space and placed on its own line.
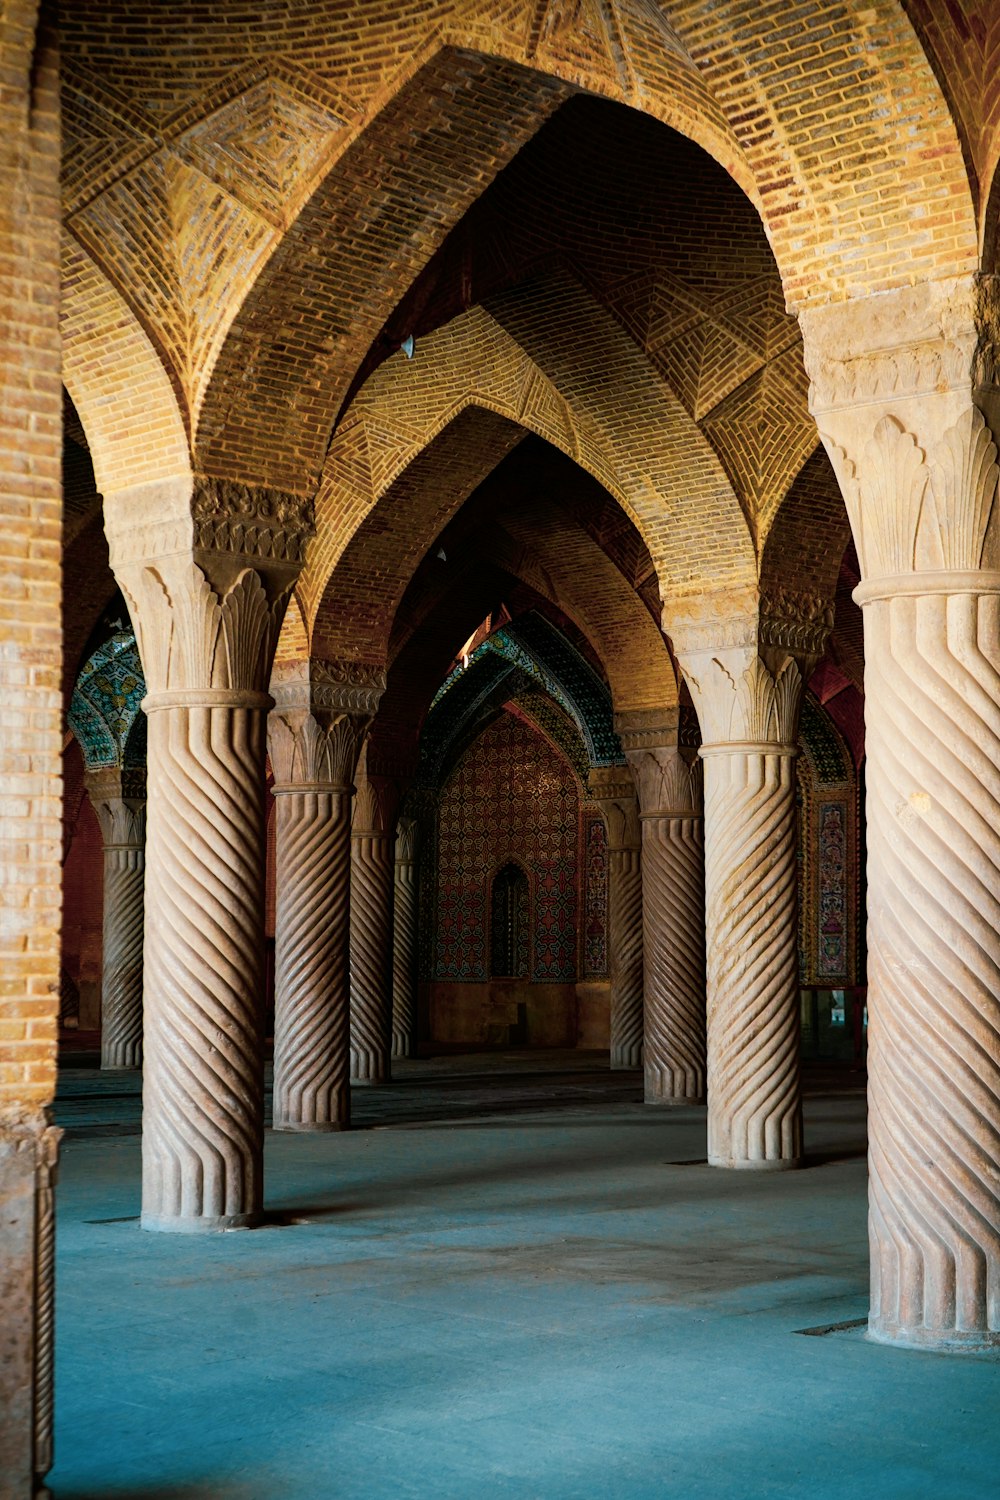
x=257 y=211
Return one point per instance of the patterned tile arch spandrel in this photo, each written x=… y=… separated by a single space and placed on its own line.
x=541 y=652
x=104 y=709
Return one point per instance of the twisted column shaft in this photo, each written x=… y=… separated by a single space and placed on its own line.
x=118 y=797
x=932 y=687
x=311 y=1007
x=754 y=1091
x=204 y=964
x=372 y=862
x=625 y=954
x=673 y=920
x=121 y=981
x=404 y=943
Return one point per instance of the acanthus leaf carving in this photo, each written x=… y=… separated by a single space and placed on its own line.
x=407 y=837
x=893 y=479
x=376 y=800
x=668 y=784
x=118 y=797
x=744 y=697
x=318 y=749
x=964 y=485
x=193 y=637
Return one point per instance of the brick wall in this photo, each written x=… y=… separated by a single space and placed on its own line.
x=30 y=530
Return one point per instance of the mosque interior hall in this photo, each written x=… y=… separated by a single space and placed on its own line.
x=500 y=701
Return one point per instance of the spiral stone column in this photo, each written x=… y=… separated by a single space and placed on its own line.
x=404 y=940
x=204 y=962
x=373 y=836
x=932 y=682
x=119 y=800
x=909 y=436
x=315 y=735
x=673 y=889
x=614 y=790
x=206 y=623
x=748 y=700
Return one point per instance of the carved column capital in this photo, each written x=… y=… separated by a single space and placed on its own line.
x=905 y=394
x=376 y=802
x=118 y=797
x=322 y=713
x=746 y=697
x=667 y=782
x=407 y=839
x=640 y=728
x=614 y=790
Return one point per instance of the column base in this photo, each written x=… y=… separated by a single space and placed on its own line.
x=743 y=1164
x=370 y=1083
x=934 y=1340
x=311 y=1127
x=204 y=1225
x=626 y=1063
x=673 y=1101
x=121 y=1067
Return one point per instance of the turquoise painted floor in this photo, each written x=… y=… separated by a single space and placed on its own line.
x=513 y=1279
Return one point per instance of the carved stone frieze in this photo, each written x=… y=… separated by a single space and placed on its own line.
x=251 y=521
x=779 y=617
x=206 y=515
x=794 y=621
x=639 y=728
x=891 y=347
x=338 y=687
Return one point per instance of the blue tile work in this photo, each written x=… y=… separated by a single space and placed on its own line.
x=544 y=655
x=588 y=697
x=828 y=755
x=104 y=712
x=558 y=727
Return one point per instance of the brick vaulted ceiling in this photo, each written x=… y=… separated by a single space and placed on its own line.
x=262 y=201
